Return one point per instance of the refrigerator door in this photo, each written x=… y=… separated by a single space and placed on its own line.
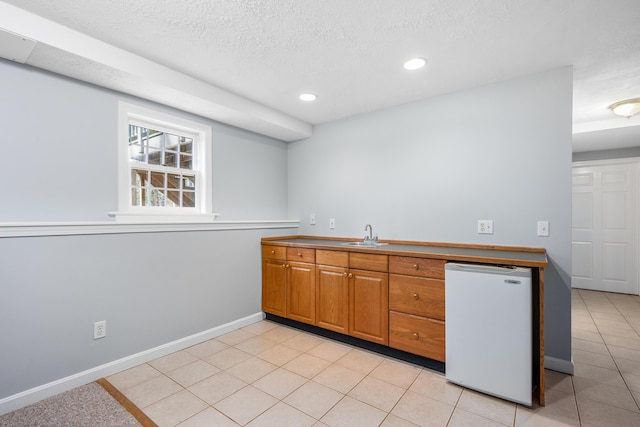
x=489 y=330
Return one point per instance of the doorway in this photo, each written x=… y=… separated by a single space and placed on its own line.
x=605 y=228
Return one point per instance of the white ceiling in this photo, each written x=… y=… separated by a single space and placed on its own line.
x=245 y=62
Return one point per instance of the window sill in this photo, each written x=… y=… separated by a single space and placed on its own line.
x=39 y=229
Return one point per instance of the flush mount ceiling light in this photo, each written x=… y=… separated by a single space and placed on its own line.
x=414 y=64
x=626 y=108
x=308 y=97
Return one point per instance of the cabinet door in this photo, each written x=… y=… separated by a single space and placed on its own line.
x=369 y=306
x=301 y=292
x=332 y=298
x=274 y=287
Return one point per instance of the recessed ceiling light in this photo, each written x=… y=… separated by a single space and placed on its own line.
x=308 y=97
x=415 y=63
x=626 y=108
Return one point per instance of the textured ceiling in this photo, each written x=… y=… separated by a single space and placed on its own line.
x=350 y=52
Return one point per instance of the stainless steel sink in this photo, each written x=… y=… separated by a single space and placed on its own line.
x=364 y=244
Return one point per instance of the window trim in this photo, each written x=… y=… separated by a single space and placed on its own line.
x=202 y=160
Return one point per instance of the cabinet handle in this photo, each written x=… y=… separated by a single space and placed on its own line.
x=416 y=296
x=350 y=275
x=416 y=336
x=415 y=266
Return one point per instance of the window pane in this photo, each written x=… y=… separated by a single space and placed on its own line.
x=173 y=199
x=188 y=199
x=155 y=156
x=139 y=177
x=156 y=198
x=157 y=179
x=136 y=153
x=137 y=197
x=188 y=182
x=170 y=159
x=186 y=161
x=186 y=145
x=173 y=181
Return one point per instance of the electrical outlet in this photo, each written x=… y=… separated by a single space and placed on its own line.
x=312 y=219
x=485 y=226
x=100 y=329
x=332 y=223
x=543 y=228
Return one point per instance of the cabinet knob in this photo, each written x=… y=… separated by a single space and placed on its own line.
x=350 y=275
x=344 y=274
x=287 y=266
x=273 y=252
x=284 y=266
x=299 y=254
x=416 y=336
x=416 y=296
x=415 y=266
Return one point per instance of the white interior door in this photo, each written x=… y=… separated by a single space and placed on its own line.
x=605 y=226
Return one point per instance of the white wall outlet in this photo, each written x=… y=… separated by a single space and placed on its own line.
x=543 y=228
x=312 y=219
x=485 y=226
x=100 y=329
x=332 y=223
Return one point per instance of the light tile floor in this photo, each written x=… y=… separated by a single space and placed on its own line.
x=267 y=374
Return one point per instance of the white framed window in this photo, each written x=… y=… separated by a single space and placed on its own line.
x=164 y=167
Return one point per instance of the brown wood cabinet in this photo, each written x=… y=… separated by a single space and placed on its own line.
x=416 y=304
x=369 y=305
x=274 y=280
x=332 y=290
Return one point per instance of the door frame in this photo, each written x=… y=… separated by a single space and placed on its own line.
x=620 y=161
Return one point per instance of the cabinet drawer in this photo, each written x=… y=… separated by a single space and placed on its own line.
x=372 y=262
x=301 y=254
x=337 y=258
x=274 y=252
x=417 y=335
x=417 y=295
x=412 y=266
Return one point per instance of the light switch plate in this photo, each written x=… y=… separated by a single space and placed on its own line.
x=543 y=228
x=332 y=223
x=485 y=226
x=312 y=219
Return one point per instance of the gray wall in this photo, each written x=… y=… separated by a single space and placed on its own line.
x=429 y=170
x=59 y=148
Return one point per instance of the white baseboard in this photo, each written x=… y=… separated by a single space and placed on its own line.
x=560 y=365
x=27 y=397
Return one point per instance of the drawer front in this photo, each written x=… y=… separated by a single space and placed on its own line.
x=417 y=335
x=274 y=252
x=301 y=255
x=337 y=258
x=423 y=267
x=417 y=295
x=372 y=262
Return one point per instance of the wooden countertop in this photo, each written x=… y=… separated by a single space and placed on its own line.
x=485 y=254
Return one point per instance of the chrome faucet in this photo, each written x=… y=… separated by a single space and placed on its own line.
x=370 y=238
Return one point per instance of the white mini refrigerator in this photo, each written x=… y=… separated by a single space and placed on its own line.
x=489 y=329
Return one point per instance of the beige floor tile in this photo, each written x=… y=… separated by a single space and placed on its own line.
x=217 y=387
x=251 y=369
x=606 y=376
x=602 y=415
x=436 y=387
x=261 y=327
x=632 y=343
x=632 y=382
x=339 y=378
x=246 y=404
x=627 y=332
x=134 y=376
x=306 y=365
x=595 y=359
x=595 y=391
x=624 y=353
x=377 y=393
x=235 y=337
x=487 y=406
x=255 y=345
x=628 y=366
x=175 y=409
x=281 y=334
x=591 y=346
x=558 y=381
x=360 y=361
x=279 y=354
x=151 y=391
x=329 y=350
x=303 y=342
x=396 y=373
x=462 y=418
x=314 y=399
x=173 y=361
x=393 y=421
x=353 y=413
x=207 y=348
x=208 y=418
x=560 y=410
x=282 y=415
x=192 y=373
x=422 y=410
x=280 y=383
x=227 y=358
x=587 y=336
